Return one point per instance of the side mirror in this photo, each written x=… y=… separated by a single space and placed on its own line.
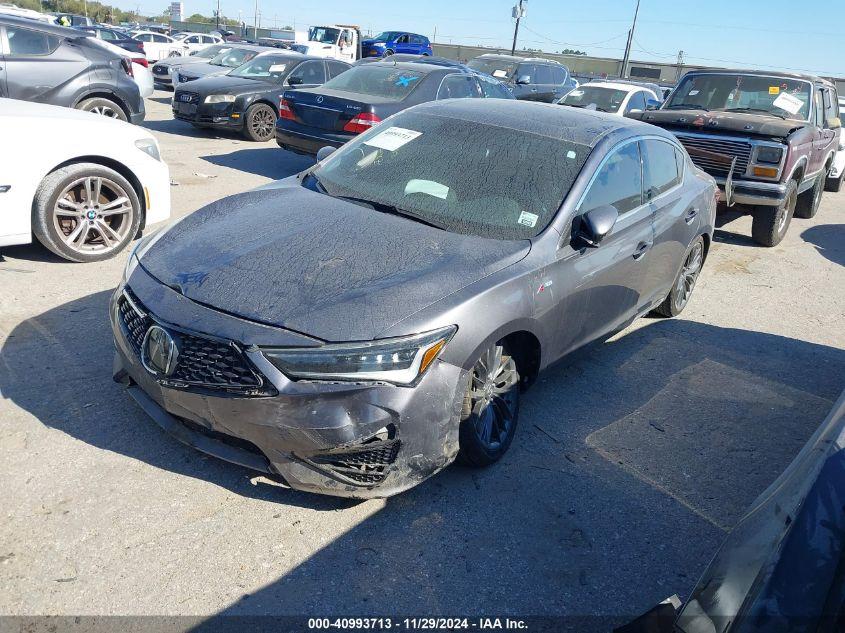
x=324 y=152
x=295 y=81
x=833 y=123
x=523 y=80
x=652 y=104
x=596 y=224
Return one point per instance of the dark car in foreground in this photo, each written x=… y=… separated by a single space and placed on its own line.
x=164 y=68
x=360 y=98
x=62 y=66
x=232 y=57
x=768 y=138
x=247 y=99
x=356 y=327
x=529 y=78
x=781 y=567
x=116 y=37
x=392 y=42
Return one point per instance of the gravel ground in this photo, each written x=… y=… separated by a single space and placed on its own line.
x=630 y=464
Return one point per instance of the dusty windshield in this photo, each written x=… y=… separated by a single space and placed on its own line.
x=233 y=58
x=596 y=98
x=323 y=35
x=212 y=51
x=264 y=67
x=499 y=68
x=461 y=176
x=778 y=96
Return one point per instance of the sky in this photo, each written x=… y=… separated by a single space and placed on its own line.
x=770 y=34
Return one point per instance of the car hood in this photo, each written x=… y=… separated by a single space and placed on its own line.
x=224 y=84
x=203 y=70
x=188 y=60
x=304 y=261
x=732 y=122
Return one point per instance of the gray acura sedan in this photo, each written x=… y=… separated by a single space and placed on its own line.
x=357 y=327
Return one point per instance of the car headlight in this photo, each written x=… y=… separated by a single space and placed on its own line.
x=149 y=146
x=220 y=99
x=769 y=155
x=401 y=360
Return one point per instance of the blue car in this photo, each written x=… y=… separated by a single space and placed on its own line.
x=391 y=42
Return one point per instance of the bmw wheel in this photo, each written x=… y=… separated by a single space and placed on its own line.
x=86 y=212
x=491 y=408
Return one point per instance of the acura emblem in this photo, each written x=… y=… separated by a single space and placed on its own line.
x=319 y=99
x=159 y=351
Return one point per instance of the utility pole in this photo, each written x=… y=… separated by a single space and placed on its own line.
x=256 y=20
x=434 y=37
x=518 y=13
x=680 y=66
x=217 y=15
x=627 y=57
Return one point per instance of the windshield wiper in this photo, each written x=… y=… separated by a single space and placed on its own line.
x=764 y=111
x=686 y=106
x=391 y=209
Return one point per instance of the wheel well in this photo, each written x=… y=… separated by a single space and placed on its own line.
x=798 y=174
x=119 y=168
x=525 y=349
x=275 y=106
x=107 y=95
x=706 y=245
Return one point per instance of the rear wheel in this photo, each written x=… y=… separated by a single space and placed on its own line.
x=681 y=292
x=86 y=212
x=104 y=107
x=491 y=408
x=809 y=201
x=260 y=122
x=771 y=223
x=834 y=184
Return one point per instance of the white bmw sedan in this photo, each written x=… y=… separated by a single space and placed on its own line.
x=84 y=185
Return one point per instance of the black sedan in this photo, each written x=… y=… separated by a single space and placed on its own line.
x=247 y=99
x=361 y=97
x=116 y=37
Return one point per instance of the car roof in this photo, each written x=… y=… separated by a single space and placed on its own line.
x=516 y=58
x=281 y=52
x=584 y=127
x=420 y=67
x=417 y=59
x=758 y=73
x=619 y=85
x=46 y=27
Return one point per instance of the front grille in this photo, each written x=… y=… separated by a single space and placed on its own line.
x=366 y=463
x=203 y=362
x=225 y=438
x=741 y=150
x=159 y=70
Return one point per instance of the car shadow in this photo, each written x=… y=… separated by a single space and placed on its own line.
x=270 y=162
x=829 y=240
x=162 y=100
x=33 y=252
x=724 y=218
x=182 y=128
x=631 y=462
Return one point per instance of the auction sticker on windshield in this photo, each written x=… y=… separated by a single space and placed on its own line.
x=789 y=103
x=500 y=73
x=393 y=138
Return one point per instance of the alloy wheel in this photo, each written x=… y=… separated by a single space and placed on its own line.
x=105 y=111
x=493 y=393
x=93 y=215
x=689 y=275
x=263 y=124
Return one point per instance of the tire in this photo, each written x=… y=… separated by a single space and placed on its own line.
x=834 y=184
x=260 y=122
x=809 y=201
x=685 y=281
x=388 y=53
x=491 y=407
x=111 y=224
x=105 y=107
x=771 y=223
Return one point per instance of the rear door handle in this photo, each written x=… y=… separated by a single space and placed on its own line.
x=642 y=249
x=691 y=215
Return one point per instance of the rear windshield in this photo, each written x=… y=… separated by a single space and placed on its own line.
x=778 y=96
x=388 y=82
x=596 y=98
x=272 y=67
x=463 y=176
x=499 y=68
x=233 y=58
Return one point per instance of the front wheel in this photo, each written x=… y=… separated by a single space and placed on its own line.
x=681 y=292
x=260 y=122
x=388 y=53
x=491 y=408
x=809 y=201
x=770 y=224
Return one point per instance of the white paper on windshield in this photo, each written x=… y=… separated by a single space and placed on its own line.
x=528 y=219
x=428 y=187
x=577 y=93
x=500 y=73
x=393 y=138
x=789 y=103
x=278 y=68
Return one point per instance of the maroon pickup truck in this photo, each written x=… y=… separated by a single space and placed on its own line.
x=767 y=138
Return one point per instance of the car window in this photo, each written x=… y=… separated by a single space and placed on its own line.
x=544 y=75
x=618 y=182
x=335 y=67
x=498 y=68
x=208 y=39
x=105 y=34
x=458 y=87
x=493 y=89
x=144 y=37
x=160 y=39
x=596 y=97
x=466 y=176
x=831 y=108
x=379 y=80
x=403 y=39
x=819 y=108
x=233 y=57
x=312 y=72
x=194 y=39
x=637 y=102
x=660 y=167
x=558 y=75
x=26 y=42
x=528 y=70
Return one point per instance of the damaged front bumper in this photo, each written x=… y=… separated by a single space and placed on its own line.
x=346 y=439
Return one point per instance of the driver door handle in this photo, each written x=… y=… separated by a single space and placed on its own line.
x=692 y=213
x=642 y=249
